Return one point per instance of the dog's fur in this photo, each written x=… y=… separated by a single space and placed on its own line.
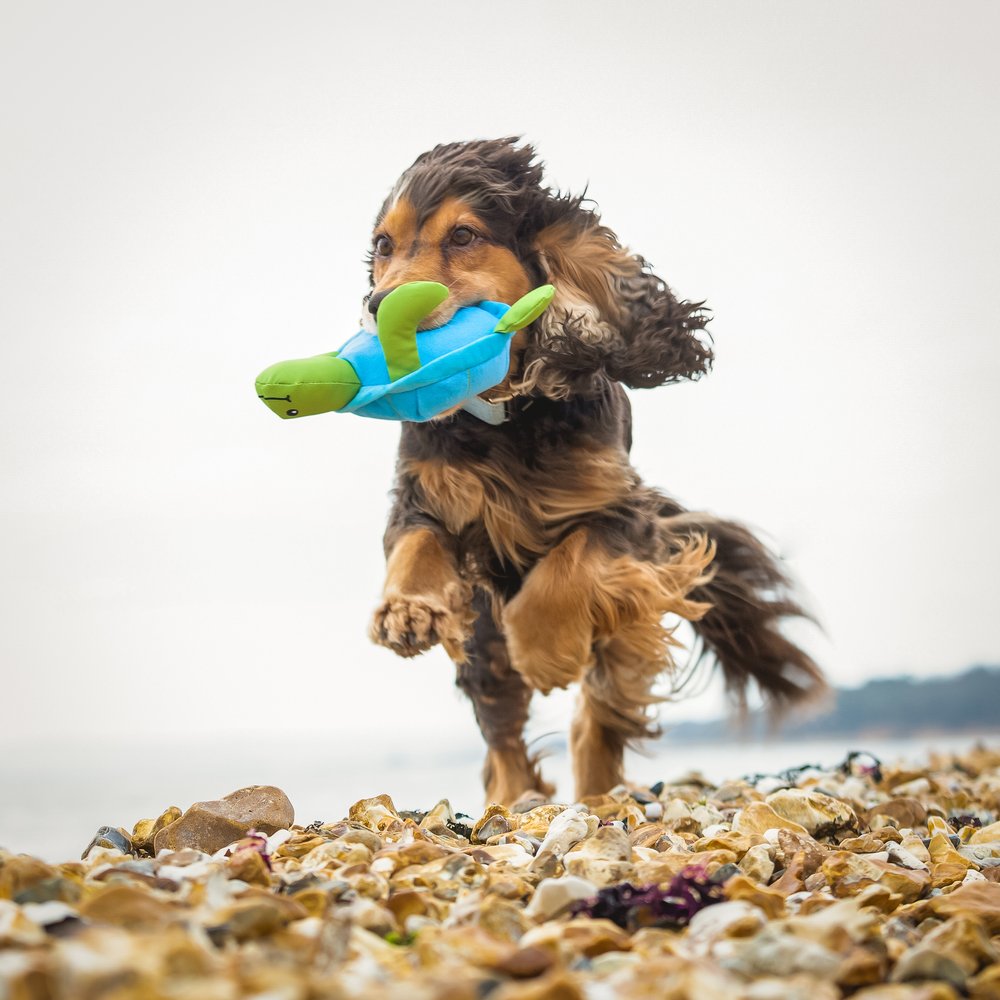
x=531 y=549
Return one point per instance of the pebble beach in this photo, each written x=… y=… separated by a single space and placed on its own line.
x=860 y=880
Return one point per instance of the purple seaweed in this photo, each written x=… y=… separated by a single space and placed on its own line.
x=632 y=907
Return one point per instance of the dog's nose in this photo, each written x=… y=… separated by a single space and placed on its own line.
x=375 y=300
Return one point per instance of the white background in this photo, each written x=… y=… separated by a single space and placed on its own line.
x=187 y=193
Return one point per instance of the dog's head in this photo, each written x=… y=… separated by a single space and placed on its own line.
x=476 y=217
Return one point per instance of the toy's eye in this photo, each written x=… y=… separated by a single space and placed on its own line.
x=383 y=246
x=462 y=236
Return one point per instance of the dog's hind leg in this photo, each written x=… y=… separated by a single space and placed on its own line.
x=500 y=699
x=585 y=613
x=613 y=708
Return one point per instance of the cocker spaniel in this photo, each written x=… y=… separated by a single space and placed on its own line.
x=521 y=538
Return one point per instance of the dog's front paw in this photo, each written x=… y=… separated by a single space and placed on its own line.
x=411 y=625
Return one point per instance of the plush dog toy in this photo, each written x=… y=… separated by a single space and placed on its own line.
x=403 y=374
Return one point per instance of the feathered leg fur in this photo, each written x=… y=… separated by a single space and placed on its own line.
x=750 y=595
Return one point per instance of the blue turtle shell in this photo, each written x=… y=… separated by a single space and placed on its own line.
x=458 y=361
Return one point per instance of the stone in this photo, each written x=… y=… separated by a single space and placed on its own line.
x=917 y=848
x=774 y=952
x=536 y=822
x=985 y=855
x=341 y=853
x=20 y=872
x=565 y=831
x=935 y=824
x=731 y=919
x=210 y=826
x=724 y=839
x=670 y=863
x=965 y=940
x=848 y=874
x=495 y=821
x=947 y=864
x=440 y=818
x=248 y=866
x=978 y=901
x=146 y=829
x=57 y=889
x=594 y=937
x=770 y=901
x=525 y=963
x=255 y=916
x=759 y=817
x=604 y=858
x=388 y=861
x=676 y=811
x=887 y=833
x=108 y=838
x=906 y=812
x=929 y=963
x=862 y=966
x=758 y=863
x=986 y=835
x=706 y=816
x=555 y=895
x=838 y=925
x=132 y=907
x=17 y=930
x=501 y=918
x=985 y=985
x=377 y=814
x=900 y=855
x=867 y=843
x=908 y=991
x=50 y=913
x=905 y=882
x=816 y=813
x=800 y=986
x=802 y=850
x=913 y=789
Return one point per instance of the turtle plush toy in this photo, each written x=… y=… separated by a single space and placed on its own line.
x=401 y=373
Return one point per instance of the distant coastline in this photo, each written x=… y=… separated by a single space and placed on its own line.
x=883 y=708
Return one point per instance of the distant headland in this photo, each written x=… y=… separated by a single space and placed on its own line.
x=886 y=707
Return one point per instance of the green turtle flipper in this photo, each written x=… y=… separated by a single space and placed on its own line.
x=526 y=309
x=399 y=313
x=308 y=386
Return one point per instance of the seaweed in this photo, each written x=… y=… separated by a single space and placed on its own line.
x=958 y=820
x=256 y=841
x=632 y=907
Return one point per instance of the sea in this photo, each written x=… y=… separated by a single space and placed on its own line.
x=54 y=797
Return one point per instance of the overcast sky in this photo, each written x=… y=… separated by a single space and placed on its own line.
x=187 y=193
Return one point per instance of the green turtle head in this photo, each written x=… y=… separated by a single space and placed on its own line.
x=308 y=386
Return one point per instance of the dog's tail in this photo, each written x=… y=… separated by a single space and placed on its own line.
x=750 y=594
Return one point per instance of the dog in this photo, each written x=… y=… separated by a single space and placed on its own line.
x=526 y=544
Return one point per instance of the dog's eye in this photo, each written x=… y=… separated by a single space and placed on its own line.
x=462 y=236
x=383 y=246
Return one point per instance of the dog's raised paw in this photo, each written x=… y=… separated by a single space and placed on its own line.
x=411 y=625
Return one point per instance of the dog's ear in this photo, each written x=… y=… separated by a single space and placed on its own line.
x=611 y=315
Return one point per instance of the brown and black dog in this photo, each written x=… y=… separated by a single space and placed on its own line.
x=530 y=549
